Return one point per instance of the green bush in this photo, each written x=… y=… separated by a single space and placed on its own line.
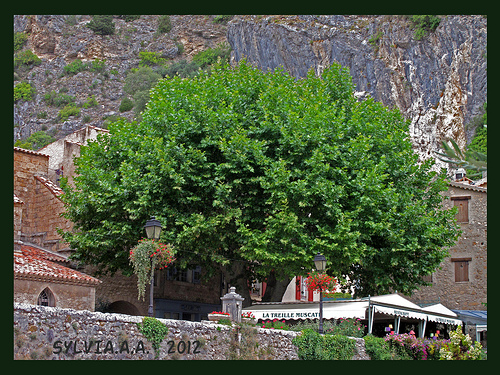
x=68 y=110
x=164 y=24
x=140 y=80
x=378 y=349
x=20 y=40
x=102 y=25
x=154 y=331
x=23 y=90
x=274 y=324
x=140 y=100
x=460 y=347
x=58 y=99
x=150 y=58
x=312 y=325
x=26 y=58
x=90 y=102
x=338 y=347
x=97 y=66
x=313 y=346
x=422 y=24
x=480 y=141
x=348 y=327
x=223 y=19
x=182 y=68
x=35 y=141
x=211 y=55
x=129 y=17
x=126 y=105
x=75 y=67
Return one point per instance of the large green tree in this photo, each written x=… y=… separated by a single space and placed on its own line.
x=253 y=173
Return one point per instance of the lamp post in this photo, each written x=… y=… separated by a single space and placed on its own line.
x=153 y=230
x=320 y=264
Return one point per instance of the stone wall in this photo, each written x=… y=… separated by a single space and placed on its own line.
x=37 y=218
x=464 y=295
x=65 y=294
x=26 y=165
x=55 y=333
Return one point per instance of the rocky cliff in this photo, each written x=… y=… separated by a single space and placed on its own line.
x=59 y=40
x=438 y=82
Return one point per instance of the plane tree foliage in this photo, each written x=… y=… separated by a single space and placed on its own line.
x=252 y=173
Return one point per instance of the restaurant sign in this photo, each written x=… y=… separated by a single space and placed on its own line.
x=288 y=315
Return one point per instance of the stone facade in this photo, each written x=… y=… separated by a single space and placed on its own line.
x=461 y=281
x=79 y=297
x=55 y=333
x=62 y=152
x=37 y=218
x=37 y=215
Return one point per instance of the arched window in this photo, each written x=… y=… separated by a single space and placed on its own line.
x=46 y=298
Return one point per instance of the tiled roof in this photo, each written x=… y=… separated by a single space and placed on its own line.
x=37 y=264
x=29 y=151
x=467 y=186
x=54 y=189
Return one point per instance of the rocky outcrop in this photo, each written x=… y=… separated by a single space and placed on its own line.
x=438 y=82
x=58 y=40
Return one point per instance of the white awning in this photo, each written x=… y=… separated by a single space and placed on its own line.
x=331 y=310
x=442 y=314
x=400 y=311
x=390 y=304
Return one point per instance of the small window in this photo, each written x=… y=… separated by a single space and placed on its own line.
x=46 y=298
x=197 y=275
x=461 y=269
x=462 y=203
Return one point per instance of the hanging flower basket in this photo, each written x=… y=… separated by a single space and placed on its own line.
x=215 y=316
x=147 y=256
x=320 y=282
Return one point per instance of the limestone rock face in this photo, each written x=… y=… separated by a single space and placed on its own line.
x=439 y=82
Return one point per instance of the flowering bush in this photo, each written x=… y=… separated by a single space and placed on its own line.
x=320 y=281
x=220 y=313
x=248 y=314
x=348 y=327
x=275 y=324
x=460 y=347
x=408 y=346
x=147 y=256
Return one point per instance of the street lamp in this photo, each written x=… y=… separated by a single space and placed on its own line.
x=153 y=230
x=320 y=263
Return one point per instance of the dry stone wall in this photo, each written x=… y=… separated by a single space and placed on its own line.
x=54 y=333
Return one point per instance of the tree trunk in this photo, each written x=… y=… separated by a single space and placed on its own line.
x=275 y=288
x=236 y=276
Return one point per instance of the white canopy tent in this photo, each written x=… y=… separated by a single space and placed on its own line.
x=363 y=308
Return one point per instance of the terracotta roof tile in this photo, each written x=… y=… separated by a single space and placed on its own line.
x=29 y=151
x=35 y=264
x=54 y=189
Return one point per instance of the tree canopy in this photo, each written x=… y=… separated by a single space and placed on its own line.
x=255 y=172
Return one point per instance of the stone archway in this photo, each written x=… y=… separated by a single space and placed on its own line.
x=123 y=307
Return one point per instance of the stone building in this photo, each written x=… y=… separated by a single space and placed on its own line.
x=178 y=294
x=42 y=277
x=62 y=152
x=42 y=272
x=461 y=281
x=37 y=203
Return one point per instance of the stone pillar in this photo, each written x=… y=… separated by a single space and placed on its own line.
x=232 y=303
